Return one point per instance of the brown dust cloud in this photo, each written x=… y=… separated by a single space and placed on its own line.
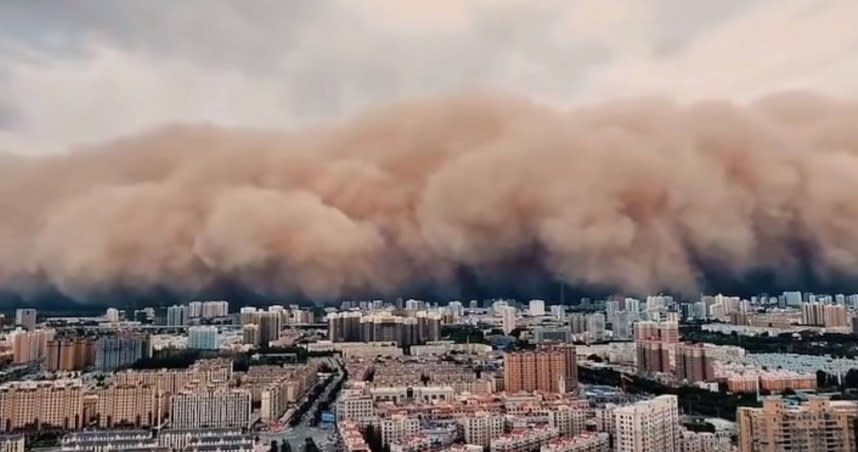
x=639 y=196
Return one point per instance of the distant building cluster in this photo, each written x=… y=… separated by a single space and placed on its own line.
x=411 y=328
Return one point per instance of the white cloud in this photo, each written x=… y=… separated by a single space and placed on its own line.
x=97 y=69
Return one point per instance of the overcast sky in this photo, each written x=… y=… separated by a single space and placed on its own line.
x=81 y=71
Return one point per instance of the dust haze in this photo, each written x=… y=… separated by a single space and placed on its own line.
x=639 y=196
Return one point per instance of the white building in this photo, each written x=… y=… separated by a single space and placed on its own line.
x=214 y=309
x=508 y=316
x=596 y=327
x=176 y=315
x=536 y=307
x=355 y=406
x=195 y=309
x=210 y=408
x=650 y=425
x=26 y=318
x=203 y=338
x=559 y=312
x=112 y=315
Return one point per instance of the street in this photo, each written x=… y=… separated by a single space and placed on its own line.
x=325 y=438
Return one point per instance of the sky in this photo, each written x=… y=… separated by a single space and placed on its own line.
x=76 y=73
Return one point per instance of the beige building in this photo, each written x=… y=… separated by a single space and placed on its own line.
x=355 y=406
x=523 y=440
x=70 y=354
x=651 y=425
x=41 y=404
x=481 y=427
x=817 y=425
x=569 y=419
x=586 y=442
x=29 y=346
x=398 y=428
x=137 y=406
x=705 y=442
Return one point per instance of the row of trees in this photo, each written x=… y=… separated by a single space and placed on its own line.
x=692 y=400
x=805 y=343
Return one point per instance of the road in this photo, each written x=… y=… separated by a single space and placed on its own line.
x=325 y=437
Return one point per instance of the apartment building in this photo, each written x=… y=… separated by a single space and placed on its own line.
x=41 y=404
x=586 y=442
x=481 y=427
x=650 y=425
x=816 y=425
x=398 y=428
x=524 y=440
x=550 y=369
x=212 y=407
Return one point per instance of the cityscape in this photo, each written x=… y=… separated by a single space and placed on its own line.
x=429 y=226
x=615 y=374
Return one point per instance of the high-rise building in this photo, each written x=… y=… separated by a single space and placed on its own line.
x=456 y=309
x=558 y=312
x=214 y=309
x=657 y=331
x=270 y=325
x=508 y=319
x=112 y=315
x=210 y=408
x=30 y=346
x=195 y=310
x=536 y=307
x=650 y=425
x=834 y=316
x=692 y=363
x=41 y=404
x=793 y=299
x=248 y=315
x=203 y=338
x=177 y=315
x=815 y=425
x=127 y=405
x=250 y=334
x=26 y=318
x=653 y=356
x=121 y=350
x=596 y=327
x=70 y=354
x=549 y=369
x=577 y=323
x=418 y=328
x=611 y=307
x=621 y=325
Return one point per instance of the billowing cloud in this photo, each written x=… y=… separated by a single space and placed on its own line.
x=298 y=177
x=639 y=196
